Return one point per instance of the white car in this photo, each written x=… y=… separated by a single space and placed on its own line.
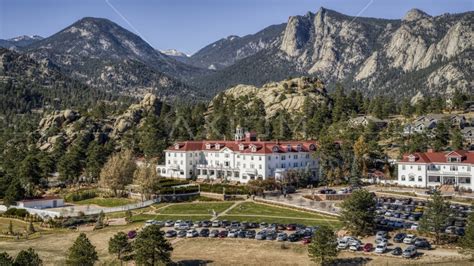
x=381 y=241
x=183 y=226
x=409 y=239
x=342 y=243
x=380 y=248
x=355 y=246
x=216 y=223
x=192 y=233
x=177 y=223
x=414 y=227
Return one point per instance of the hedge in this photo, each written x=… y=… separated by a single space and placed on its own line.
x=22 y=213
x=229 y=189
x=81 y=195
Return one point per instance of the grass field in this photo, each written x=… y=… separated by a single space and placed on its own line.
x=106 y=202
x=251 y=208
x=255 y=219
x=17 y=225
x=196 y=208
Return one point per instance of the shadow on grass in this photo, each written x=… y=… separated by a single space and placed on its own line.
x=192 y=262
x=349 y=261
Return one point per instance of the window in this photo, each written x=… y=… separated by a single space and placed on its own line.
x=412 y=179
x=226 y=163
x=251 y=158
x=236 y=174
x=411 y=166
x=295 y=156
x=307 y=156
x=295 y=164
x=420 y=179
x=226 y=155
x=259 y=158
x=259 y=166
x=298 y=147
x=403 y=167
x=419 y=167
x=238 y=156
x=283 y=157
x=283 y=165
x=453 y=168
x=252 y=166
x=288 y=147
x=403 y=178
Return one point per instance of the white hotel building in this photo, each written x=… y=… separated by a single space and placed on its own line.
x=431 y=169
x=242 y=159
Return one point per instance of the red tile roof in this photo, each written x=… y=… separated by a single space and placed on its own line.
x=439 y=157
x=262 y=147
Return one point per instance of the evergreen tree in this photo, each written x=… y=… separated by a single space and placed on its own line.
x=28 y=257
x=323 y=246
x=358 y=212
x=435 y=215
x=29 y=173
x=14 y=193
x=96 y=156
x=119 y=245
x=153 y=139
x=355 y=173
x=151 y=247
x=5 y=259
x=467 y=241
x=82 y=252
x=441 y=136
x=456 y=139
x=31 y=228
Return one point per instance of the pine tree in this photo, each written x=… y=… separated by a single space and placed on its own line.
x=467 y=241
x=119 y=245
x=323 y=246
x=82 y=252
x=5 y=259
x=355 y=173
x=31 y=228
x=28 y=257
x=358 y=212
x=456 y=139
x=435 y=215
x=151 y=247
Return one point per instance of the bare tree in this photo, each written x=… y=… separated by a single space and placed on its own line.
x=118 y=171
x=147 y=178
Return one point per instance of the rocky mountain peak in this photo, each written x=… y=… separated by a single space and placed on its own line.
x=415 y=14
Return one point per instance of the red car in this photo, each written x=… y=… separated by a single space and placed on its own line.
x=306 y=240
x=291 y=227
x=368 y=247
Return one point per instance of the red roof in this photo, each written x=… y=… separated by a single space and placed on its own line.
x=439 y=157
x=261 y=147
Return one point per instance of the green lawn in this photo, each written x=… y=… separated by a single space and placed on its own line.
x=332 y=223
x=159 y=217
x=204 y=208
x=267 y=210
x=17 y=225
x=106 y=202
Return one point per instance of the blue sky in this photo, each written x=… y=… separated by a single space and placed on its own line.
x=188 y=25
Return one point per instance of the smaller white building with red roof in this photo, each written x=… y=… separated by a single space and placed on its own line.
x=243 y=159
x=432 y=169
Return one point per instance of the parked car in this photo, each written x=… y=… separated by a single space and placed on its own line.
x=397 y=251
x=131 y=234
x=182 y=233
x=204 y=232
x=192 y=233
x=381 y=241
x=250 y=234
x=282 y=237
x=169 y=223
x=171 y=233
x=223 y=233
x=409 y=252
x=261 y=235
x=225 y=223
x=306 y=240
x=271 y=235
x=242 y=234
x=206 y=224
x=422 y=243
x=381 y=234
x=263 y=225
x=291 y=227
x=368 y=247
x=197 y=224
x=233 y=233
x=354 y=246
x=214 y=233
x=216 y=223
x=380 y=248
x=343 y=243
x=409 y=239
x=398 y=238
x=293 y=237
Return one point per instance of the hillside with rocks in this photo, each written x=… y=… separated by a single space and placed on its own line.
x=289 y=95
x=417 y=54
x=68 y=124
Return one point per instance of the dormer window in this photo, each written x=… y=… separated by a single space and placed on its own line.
x=275 y=149
x=241 y=147
x=453 y=159
x=176 y=146
x=312 y=147
x=253 y=148
x=298 y=147
x=218 y=146
x=288 y=148
x=411 y=158
x=208 y=146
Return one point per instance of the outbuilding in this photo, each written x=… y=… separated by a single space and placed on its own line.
x=41 y=203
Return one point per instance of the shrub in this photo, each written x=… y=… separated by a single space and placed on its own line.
x=81 y=195
x=21 y=213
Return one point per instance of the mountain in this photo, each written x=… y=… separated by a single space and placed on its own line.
x=227 y=51
x=19 y=42
x=26 y=85
x=179 y=56
x=417 y=54
x=102 y=54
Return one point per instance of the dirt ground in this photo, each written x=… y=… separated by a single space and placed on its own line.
x=198 y=251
